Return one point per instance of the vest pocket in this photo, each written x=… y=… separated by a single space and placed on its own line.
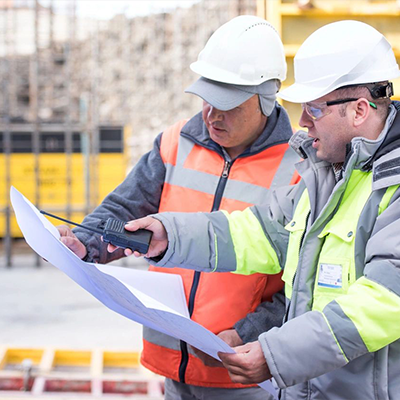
x=336 y=267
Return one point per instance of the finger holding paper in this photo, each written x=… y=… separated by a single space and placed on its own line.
x=247 y=365
x=229 y=336
x=71 y=241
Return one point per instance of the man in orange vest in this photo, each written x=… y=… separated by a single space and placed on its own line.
x=225 y=157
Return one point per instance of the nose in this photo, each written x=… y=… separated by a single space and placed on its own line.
x=214 y=114
x=305 y=120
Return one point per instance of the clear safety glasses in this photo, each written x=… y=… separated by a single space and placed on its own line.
x=318 y=110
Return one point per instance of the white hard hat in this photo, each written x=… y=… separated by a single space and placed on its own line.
x=339 y=54
x=245 y=51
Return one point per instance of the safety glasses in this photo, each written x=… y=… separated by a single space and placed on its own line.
x=318 y=110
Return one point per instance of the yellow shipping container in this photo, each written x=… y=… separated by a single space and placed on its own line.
x=76 y=176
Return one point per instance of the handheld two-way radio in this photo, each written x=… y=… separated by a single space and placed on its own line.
x=114 y=232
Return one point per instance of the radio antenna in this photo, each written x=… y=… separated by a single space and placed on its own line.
x=72 y=223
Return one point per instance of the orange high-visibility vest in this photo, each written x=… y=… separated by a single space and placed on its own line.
x=193 y=173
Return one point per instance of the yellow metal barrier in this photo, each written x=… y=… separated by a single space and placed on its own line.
x=96 y=373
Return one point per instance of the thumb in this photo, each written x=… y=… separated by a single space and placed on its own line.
x=141 y=223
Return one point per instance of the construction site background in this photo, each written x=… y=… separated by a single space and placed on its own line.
x=95 y=93
x=122 y=71
x=70 y=75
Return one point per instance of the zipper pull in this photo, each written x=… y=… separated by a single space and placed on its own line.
x=225 y=171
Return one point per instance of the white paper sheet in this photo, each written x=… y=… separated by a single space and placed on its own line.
x=153 y=299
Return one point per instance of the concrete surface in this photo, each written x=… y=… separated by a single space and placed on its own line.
x=41 y=306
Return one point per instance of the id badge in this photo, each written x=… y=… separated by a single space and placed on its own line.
x=330 y=276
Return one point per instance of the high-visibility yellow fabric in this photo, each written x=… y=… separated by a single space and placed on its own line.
x=373 y=318
x=339 y=234
x=251 y=245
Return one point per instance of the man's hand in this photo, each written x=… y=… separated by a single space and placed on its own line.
x=159 y=240
x=247 y=365
x=71 y=241
x=229 y=336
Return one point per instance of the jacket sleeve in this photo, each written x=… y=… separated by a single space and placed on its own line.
x=267 y=315
x=137 y=196
x=360 y=322
x=244 y=242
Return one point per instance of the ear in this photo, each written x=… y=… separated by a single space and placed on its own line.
x=361 y=110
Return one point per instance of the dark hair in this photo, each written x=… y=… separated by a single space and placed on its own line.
x=364 y=90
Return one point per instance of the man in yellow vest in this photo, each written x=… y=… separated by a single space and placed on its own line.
x=335 y=234
x=226 y=157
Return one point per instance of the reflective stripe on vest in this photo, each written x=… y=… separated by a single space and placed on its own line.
x=337 y=253
x=193 y=173
x=236 y=190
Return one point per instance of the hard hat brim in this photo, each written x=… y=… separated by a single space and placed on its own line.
x=298 y=93
x=222 y=96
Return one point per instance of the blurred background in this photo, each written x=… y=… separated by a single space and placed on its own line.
x=85 y=87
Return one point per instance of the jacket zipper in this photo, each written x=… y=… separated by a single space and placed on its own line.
x=285 y=319
x=196 y=277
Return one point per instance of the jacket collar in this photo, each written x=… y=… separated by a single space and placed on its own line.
x=389 y=139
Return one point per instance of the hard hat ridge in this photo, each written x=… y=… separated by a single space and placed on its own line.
x=247 y=50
